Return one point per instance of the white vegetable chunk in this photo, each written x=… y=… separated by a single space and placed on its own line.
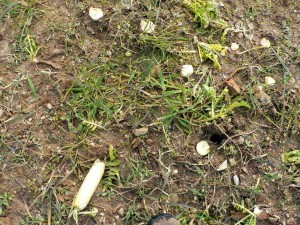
x=265 y=42
x=234 y=46
x=187 y=70
x=96 y=13
x=87 y=189
x=203 y=148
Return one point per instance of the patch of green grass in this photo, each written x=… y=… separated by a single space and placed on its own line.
x=194 y=217
x=24 y=43
x=71 y=30
x=250 y=219
x=137 y=174
x=5 y=200
x=101 y=91
x=95 y=97
x=251 y=13
x=31 y=86
x=133 y=215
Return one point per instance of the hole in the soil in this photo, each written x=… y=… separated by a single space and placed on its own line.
x=217 y=138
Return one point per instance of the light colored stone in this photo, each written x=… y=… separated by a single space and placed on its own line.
x=223 y=166
x=187 y=70
x=269 y=81
x=232 y=162
x=49 y=106
x=121 y=212
x=140 y=131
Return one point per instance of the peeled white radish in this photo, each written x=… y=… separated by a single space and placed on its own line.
x=87 y=189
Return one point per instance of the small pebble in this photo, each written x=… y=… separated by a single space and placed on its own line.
x=175 y=171
x=149 y=141
x=203 y=148
x=240 y=35
x=121 y=212
x=232 y=162
x=140 y=131
x=49 y=106
x=269 y=81
x=256 y=211
x=240 y=140
x=147 y=26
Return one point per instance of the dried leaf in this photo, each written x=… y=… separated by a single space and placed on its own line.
x=232 y=86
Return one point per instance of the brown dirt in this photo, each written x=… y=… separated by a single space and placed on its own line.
x=36 y=145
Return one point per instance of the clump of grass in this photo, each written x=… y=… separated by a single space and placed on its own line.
x=196 y=105
x=93 y=96
x=167 y=41
x=31 y=47
x=97 y=99
x=206 y=13
x=5 y=200
x=250 y=219
x=24 y=43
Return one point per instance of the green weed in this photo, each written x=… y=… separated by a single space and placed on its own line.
x=133 y=215
x=5 y=200
x=206 y=13
x=112 y=174
x=250 y=219
x=24 y=43
x=31 y=86
x=31 y=47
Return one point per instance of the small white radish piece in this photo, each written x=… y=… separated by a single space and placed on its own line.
x=234 y=46
x=265 y=42
x=87 y=189
x=269 y=81
x=203 y=148
x=96 y=13
x=187 y=70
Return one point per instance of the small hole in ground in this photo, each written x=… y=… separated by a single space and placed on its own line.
x=217 y=138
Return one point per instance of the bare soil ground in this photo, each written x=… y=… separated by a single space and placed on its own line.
x=46 y=149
